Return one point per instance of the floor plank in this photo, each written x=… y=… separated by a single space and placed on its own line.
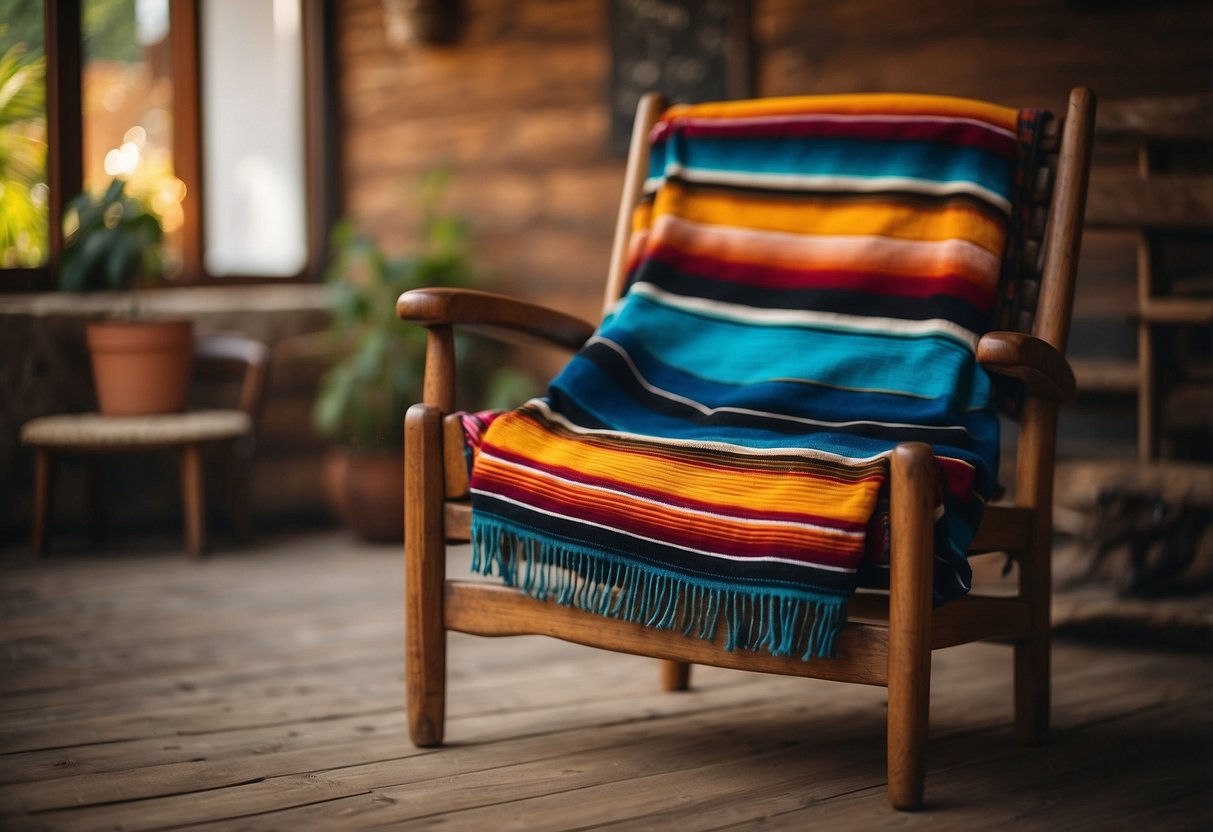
x=263 y=689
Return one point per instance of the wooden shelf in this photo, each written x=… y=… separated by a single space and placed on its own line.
x=1157 y=118
x=1164 y=197
x=1163 y=201
x=1176 y=311
x=1105 y=375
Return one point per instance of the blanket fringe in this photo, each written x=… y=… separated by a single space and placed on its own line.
x=781 y=621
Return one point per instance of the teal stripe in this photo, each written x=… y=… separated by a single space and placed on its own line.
x=923 y=161
x=730 y=352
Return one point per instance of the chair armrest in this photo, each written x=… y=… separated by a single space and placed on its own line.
x=496 y=315
x=1043 y=369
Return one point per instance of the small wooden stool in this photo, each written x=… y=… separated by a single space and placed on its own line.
x=84 y=433
x=190 y=433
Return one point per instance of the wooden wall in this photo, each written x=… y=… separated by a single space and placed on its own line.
x=516 y=112
x=517 y=107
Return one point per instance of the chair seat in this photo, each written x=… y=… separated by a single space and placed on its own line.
x=86 y=431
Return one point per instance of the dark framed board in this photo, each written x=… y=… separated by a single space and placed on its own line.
x=691 y=50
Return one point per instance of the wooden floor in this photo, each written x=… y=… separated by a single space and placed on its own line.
x=262 y=689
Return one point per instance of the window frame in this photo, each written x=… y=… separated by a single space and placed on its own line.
x=65 y=157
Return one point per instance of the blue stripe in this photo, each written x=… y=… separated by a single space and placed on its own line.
x=584 y=384
x=796 y=398
x=731 y=352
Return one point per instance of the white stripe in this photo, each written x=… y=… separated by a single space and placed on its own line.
x=785 y=417
x=704 y=444
x=749 y=521
x=829 y=182
x=761 y=558
x=863 y=324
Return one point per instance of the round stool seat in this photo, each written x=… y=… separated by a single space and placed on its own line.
x=92 y=430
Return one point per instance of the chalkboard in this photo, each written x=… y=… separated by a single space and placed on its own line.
x=690 y=50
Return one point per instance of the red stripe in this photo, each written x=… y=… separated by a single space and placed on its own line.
x=959 y=478
x=846 y=553
x=778 y=277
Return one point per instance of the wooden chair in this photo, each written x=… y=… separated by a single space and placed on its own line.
x=190 y=433
x=889 y=636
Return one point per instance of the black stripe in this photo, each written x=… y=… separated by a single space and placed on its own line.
x=847 y=302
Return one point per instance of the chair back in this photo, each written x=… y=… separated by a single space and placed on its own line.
x=232 y=369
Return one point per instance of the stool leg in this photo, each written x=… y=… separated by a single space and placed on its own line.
x=193 y=500
x=98 y=527
x=43 y=472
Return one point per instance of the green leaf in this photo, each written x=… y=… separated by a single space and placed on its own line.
x=117 y=240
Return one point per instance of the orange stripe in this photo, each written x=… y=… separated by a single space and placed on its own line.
x=862 y=104
x=867 y=216
x=751 y=490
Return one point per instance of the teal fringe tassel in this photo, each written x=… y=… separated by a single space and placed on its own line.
x=779 y=621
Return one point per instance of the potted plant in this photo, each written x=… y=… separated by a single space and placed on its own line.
x=378 y=361
x=113 y=241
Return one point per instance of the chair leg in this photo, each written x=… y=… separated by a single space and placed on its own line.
x=424 y=575
x=1032 y=680
x=1034 y=487
x=675 y=675
x=1033 y=655
x=193 y=500
x=44 y=469
x=237 y=476
x=911 y=564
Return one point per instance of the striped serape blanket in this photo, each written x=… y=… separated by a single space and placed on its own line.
x=808 y=278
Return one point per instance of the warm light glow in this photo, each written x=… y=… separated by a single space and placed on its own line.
x=136 y=135
x=122 y=161
x=172 y=218
x=169 y=193
x=113 y=97
x=130 y=157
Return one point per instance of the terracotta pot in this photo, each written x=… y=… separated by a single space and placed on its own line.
x=140 y=367
x=365 y=490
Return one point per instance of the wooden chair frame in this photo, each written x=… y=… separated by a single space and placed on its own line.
x=889 y=636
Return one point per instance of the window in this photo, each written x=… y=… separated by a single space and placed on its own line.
x=24 y=193
x=127 y=107
x=215 y=111
x=252 y=145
